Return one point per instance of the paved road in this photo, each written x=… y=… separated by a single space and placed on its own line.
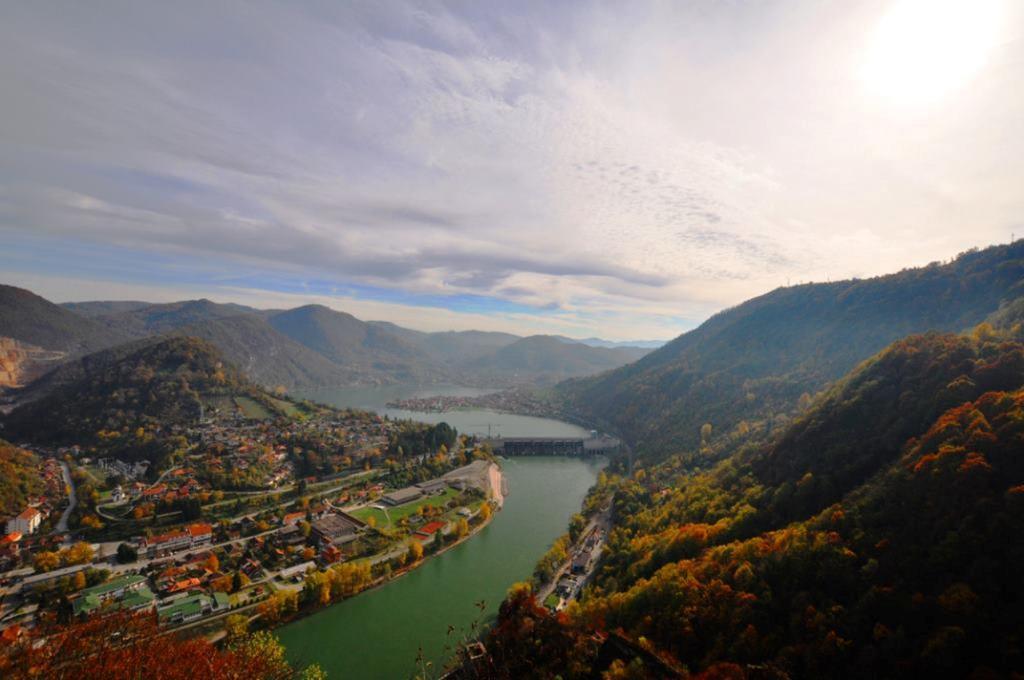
x=62 y=524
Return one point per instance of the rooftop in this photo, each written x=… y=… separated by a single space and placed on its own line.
x=410 y=493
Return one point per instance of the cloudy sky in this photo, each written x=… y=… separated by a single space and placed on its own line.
x=589 y=168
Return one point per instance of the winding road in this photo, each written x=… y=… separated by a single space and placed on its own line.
x=62 y=524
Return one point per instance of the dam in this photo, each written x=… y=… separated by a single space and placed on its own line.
x=577 y=447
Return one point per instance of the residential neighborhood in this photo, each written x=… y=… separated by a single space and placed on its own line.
x=241 y=522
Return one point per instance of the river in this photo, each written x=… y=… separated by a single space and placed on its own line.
x=378 y=634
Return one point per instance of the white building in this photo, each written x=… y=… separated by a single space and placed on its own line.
x=26 y=523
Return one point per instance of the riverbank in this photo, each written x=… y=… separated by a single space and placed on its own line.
x=486 y=475
x=380 y=633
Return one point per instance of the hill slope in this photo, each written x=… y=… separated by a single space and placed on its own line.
x=266 y=356
x=244 y=338
x=360 y=347
x=117 y=398
x=28 y=318
x=546 y=359
x=877 y=535
x=19 y=479
x=757 y=360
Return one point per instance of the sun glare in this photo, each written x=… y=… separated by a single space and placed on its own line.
x=922 y=50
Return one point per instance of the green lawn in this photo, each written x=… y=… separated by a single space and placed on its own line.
x=405 y=510
x=551 y=601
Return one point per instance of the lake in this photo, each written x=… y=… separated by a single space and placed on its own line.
x=482 y=422
x=379 y=634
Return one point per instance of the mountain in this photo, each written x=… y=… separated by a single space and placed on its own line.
x=29 y=319
x=454 y=348
x=599 y=342
x=875 y=535
x=754 y=363
x=244 y=337
x=140 y=320
x=101 y=308
x=116 y=399
x=361 y=348
x=266 y=356
x=546 y=359
x=310 y=346
x=36 y=334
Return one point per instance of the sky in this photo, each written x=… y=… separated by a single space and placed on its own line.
x=611 y=169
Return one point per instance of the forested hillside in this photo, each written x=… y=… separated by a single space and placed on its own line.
x=19 y=479
x=546 y=359
x=28 y=318
x=877 y=535
x=117 y=399
x=753 y=365
x=365 y=351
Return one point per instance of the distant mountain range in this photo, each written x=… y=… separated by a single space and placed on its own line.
x=309 y=346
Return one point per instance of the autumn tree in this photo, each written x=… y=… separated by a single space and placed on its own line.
x=236 y=626
x=45 y=560
x=120 y=645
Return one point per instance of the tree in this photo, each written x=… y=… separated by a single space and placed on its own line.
x=576 y=526
x=415 y=551
x=79 y=553
x=485 y=512
x=78 y=581
x=126 y=553
x=45 y=560
x=239 y=581
x=120 y=645
x=462 y=528
x=236 y=626
x=212 y=564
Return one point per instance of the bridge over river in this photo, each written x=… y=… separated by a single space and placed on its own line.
x=554 y=446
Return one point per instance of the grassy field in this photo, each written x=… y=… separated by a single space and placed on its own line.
x=287 y=408
x=251 y=408
x=397 y=513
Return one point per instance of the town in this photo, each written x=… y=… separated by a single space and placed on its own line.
x=256 y=518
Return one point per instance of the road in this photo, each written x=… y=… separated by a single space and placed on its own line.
x=601 y=522
x=62 y=523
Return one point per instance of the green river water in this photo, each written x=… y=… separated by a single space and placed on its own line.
x=378 y=634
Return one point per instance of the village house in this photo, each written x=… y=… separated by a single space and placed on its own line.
x=25 y=523
x=192 y=536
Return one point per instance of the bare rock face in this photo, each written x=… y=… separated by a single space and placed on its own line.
x=20 y=362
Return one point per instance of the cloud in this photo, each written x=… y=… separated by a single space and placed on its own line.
x=591 y=165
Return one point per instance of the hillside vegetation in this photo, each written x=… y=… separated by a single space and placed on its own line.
x=118 y=400
x=30 y=319
x=546 y=359
x=876 y=533
x=19 y=479
x=876 y=536
x=755 y=364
